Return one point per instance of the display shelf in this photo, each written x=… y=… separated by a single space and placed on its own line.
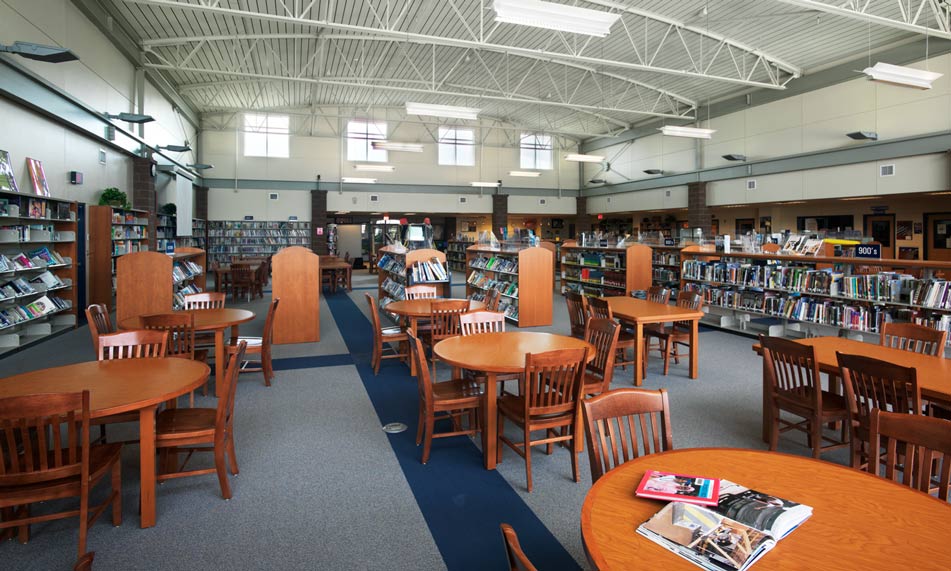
x=523 y=277
x=113 y=232
x=456 y=254
x=199 y=237
x=165 y=231
x=398 y=269
x=600 y=272
x=152 y=282
x=296 y=282
x=227 y=238
x=38 y=268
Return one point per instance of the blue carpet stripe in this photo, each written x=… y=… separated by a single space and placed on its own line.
x=463 y=503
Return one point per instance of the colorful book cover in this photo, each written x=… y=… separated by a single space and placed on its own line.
x=677 y=487
x=8 y=182
x=38 y=177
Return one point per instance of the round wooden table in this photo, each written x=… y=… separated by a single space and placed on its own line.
x=413 y=309
x=495 y=353
x=859 y=521
x=119 y=386
x=216 y=320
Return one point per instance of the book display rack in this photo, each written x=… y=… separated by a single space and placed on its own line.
x=398 y=269
x=151 y=282
x=523 y=278
x=601 y=272
x=247 y=238
x=164 y=232
x=113 y=232
x=796 y=296
x=37 y=268
x=456 y=254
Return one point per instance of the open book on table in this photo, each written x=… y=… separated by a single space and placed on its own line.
x=732 y=535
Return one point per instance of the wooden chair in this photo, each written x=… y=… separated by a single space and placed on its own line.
x=481 y=321
x=181 y=339
x=205 y=300
x=577 y=312
x=383 y=336
x=444 y=322
x=658 y=294
x=914 y=338
x=261 y=346
x=135 y=344
x=624 y=424
x=84 y=563
x=518 y=561
x=603 y=334
x=192 y=429
x=242 y=281
x=678 y=333
x=875 y=384
x=46 y=454
x=792 y=375
x=97 y=315
x=598 y=308
x=919 y=447
x=492 y=299
x=421 y=291
x=552 y=384
x=457 y=398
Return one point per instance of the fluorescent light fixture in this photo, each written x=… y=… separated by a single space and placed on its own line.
x=174 y=148
x=734 y=157
x=447 y=111
x=597 y=181
x=653 y=171
x=375 y=168
x=860 y=198
x=486 y=184
x=551 y=16
x=901 y=75
x=394 y=146
x=863 y=135
x=201 y=166
x=130 y=117
x=358 y=180
x=689 y=132
x=525 y=173
x=576 y=158
x=409 y=213
x=39 y=52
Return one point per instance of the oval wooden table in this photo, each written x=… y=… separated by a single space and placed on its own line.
x=496 y=353
x=119 y=386
x=216 y=320
x=415 y=309
x=859 y=521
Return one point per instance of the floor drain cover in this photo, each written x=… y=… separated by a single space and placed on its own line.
x=394 y=427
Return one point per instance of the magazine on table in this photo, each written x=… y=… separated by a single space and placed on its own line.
x=732 y=535
x=659 y=485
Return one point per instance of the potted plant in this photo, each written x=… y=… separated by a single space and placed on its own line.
x=113 y=197
x=168 y=209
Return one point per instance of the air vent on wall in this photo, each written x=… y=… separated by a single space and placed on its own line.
x=542 y=201
x=374 y=198
x=667 y=193
x=463 y=199
x=609 y=200
x=886 y=170
x=273 y=196
x=751 y=184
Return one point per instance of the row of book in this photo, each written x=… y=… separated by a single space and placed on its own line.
x=128 y=218
x=431 y=271
x=665 y=275
x=482 y=281
x=251 y=225
x=129 y=232
x=186 y=269
x=122 y=247
x=21 y=287
x=395 y=289
x=178 y=300
x=941 y=323
x=246 y=233
x=392 y=264
x=593 y=276
x=665 y=259
x=35 y=208
x=495 y=263
x=35 y=259
x=34 y=310
x=582 y=288
x=594 y=259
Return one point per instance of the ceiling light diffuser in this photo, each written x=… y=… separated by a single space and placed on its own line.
x=394 y=146
x=552 y=16
x=525 y=173
x=576 y=158
x=447 y=111
x=131 y=117
x=201 y=166
x=358 y=180
x=901 y=75
x=375 y=168
x=174 y=148
x=734 y=157
x=863 y=135
x=486 y=184
x=689 y=132
x=653 y=171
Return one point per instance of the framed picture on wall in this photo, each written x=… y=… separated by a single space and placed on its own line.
x=903 y=230
x=942 y=233
x=908 y=253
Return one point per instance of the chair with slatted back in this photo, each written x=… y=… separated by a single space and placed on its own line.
x=181 y=339
x=97 y=315
x=656 y=294
x=46 y=454
x=624 y=424
x=205 y=300
x=795 y=385
x=457 y=398
x=261 y=346
x=599 y=372
x=444 y=322
x=678 y=333
x=383 y=337
x=914 y=338
x=492 y=299
x=870 y=384
x=193 y=429
x=552 y=387
x=135 y=344
x=917 y=450
x=481 y=321
x=518 y=561
x=598 y=308
x=577 y=312
x=243 y=281
x=421 y=291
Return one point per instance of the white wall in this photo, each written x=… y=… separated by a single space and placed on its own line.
x=229 y=204
x=360 y=201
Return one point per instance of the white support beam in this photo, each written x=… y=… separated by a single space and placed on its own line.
x=912 y=19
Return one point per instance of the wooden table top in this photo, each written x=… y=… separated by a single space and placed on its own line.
x=334 y=265
x=859 y=521
x=503 y=352
x=115 y=386
x=632 y=309
x=423 y=307
x=205 y=319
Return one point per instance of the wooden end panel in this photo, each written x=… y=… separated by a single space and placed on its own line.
x=295 y=276
x=143 y=285
x=535 y=284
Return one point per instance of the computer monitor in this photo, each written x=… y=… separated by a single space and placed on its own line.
x=414 y=233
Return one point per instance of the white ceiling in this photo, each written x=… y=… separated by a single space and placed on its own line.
x=662 y=59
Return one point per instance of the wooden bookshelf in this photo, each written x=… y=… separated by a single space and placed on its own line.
x=165 y=231
x=41 y=230
x=147 y=284
x=113 y=232
x=296 y=282
x=611 y=271
x=392 y=281
x=529 y=271
x=456 y=254
x=199 y=237
x=254 y=238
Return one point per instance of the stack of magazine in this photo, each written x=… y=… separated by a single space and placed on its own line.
x=716 y=524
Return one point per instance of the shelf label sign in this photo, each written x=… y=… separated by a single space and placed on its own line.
x=249 y=217
x=169 y=247
x=670 y=242
x=873 y=251
x=292 y=218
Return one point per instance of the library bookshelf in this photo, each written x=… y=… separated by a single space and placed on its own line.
x=152 y=282
x=165 y=230
x=456 y=254
x=199 y=237
x=603 y=272
x=395 y=272
x=799 y=296
x=113 y=232
x=250 y=238
x=295 y=270
x=38 y=268
x=523 y=277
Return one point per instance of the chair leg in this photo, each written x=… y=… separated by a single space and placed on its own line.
x=222 y=473
x=117 y=490
x=419 y=424
x=574 y=457
x=83 y=522
x=815 y=437
x=23 y=536
x=232 y=458
x=667 y=344
x=528 y=457
x=266 y=364
x=774 y=431
x=500 y=430
x=376 y=358
x=550 y=447
x=428 y=437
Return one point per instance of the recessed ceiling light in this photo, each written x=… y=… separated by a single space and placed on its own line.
x=355 y=179
x=901 y=75
x=689 y=132
x=578 y=158
x=446 y=111
x=375 y=168
x=485 y=184
x=552 y=16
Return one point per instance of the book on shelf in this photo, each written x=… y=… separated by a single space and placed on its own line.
x=431 y=271
x=8 y=181
x=48 y=280
x=668 y=486
x=38 y=177
x=743 y=526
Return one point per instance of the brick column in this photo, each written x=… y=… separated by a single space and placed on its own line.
x=319 y=219
x=500 y=213
x=201 y=202
x=583 y=219
x=143 y=185
x=698 y=213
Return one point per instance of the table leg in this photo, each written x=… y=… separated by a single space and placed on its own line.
x=638 y=353
x=490 y=427
x=694 y=348
x=221 y=362
x=147 y=466
x=349 y=279
x=412 y=362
